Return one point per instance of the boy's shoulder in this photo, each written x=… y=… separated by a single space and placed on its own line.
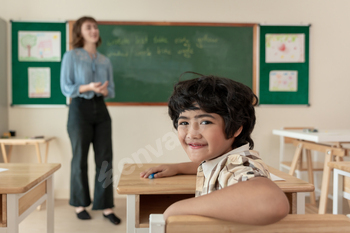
x=247 y=163
x=231 y=169
x=251 y=154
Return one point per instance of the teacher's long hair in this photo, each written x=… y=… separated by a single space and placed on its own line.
x=78 y=40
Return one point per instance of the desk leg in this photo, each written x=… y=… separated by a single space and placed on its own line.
x=47 y=151
x=281 y=152
x=300 y=203
x=9 y=154
x=130 y=213
x=296 y=158
x=325 y=183
x=4 y=156
x=310 y=171
x=12 y=213
x=38 y=152
x=337 y=192
x=50 y=204
x=156 y=223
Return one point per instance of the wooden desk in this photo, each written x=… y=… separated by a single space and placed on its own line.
x=340 y=188
x=23 y=187
x=328 y=141
x=292 y=223
x=322 y=136
x=24 y=141
x=152 y=196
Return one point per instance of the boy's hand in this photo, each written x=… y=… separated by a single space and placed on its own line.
x=163 y=170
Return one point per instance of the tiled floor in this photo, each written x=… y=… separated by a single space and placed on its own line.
x=67 y=222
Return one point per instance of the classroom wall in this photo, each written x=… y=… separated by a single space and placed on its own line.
x=146 y=132
x=3 y=79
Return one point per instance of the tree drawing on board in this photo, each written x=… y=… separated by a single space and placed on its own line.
x=39 y=46
x=28 y=41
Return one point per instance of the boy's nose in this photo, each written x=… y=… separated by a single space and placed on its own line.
x=194 y=132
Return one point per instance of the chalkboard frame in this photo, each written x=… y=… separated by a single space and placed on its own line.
x=149 y=23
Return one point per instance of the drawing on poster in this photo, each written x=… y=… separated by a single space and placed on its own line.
x=285 y=48
x=39 y=82
x=39 y=46
x=284 y=80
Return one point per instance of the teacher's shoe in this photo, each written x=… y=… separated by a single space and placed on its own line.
x=112 y=218
x=83 y=215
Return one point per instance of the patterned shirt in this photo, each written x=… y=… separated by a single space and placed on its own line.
x=238 y=165
x=79 y=68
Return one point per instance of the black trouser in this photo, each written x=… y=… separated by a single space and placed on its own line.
x=89 y=122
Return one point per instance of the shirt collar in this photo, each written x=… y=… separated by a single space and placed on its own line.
x=86 y=52
x=209 y=165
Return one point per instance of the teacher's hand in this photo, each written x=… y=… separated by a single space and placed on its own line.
x=103 y=89
x=98 y=88
x=95 y=86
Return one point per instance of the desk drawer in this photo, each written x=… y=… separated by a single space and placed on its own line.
x=154 y=204
x=31 y=197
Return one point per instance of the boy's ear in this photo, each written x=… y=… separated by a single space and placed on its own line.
x=238 y=132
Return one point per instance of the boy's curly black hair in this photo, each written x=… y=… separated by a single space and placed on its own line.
x=232 y=100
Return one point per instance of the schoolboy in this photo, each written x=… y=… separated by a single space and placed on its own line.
x=214 y=118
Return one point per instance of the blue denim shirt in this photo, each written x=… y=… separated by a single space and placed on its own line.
x=78 y=68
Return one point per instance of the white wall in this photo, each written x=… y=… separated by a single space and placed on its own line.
x=136 y=127
x=3 y=79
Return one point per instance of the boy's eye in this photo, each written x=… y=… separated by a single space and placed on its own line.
x=206 y=122
x=183 y=123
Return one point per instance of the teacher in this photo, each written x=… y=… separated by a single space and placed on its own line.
x=87 y=78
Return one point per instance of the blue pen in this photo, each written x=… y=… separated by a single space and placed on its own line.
x=151 y=176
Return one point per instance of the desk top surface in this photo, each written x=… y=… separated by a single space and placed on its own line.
x=19 y=177
x=320 y=136
x=344 y=165
x=131 y=183
x=23 y=140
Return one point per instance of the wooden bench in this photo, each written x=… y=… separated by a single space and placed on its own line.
x=292 y=223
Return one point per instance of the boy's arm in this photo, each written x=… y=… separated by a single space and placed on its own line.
x=165 y=170
x=257 y=201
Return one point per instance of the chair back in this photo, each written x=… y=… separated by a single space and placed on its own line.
x=291 y=223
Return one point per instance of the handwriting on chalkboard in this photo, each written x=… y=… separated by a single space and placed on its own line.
x=143 y=53
x=118 y=54
x=125 y=47
x=141 y=40
x=187 y=51
x=160 y=39
x=163 y=51
x=205 y=39
x=119 y=41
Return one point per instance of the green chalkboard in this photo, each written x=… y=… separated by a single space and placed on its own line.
x=148 y=59
x=292 y=41
x=41 y=53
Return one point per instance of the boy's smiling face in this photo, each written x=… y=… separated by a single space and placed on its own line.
x=202 y=135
